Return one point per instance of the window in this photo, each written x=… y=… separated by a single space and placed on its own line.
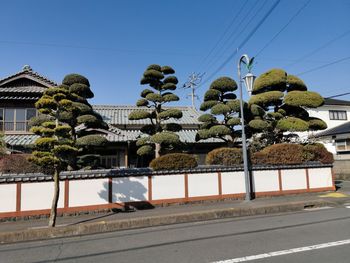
x=338 y=115
x=342 y=145
x=12 y=119
x=113 y=161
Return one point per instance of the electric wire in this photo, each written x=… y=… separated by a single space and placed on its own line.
x=323 y=66
x=246 y=39
x=224 y=33
x=283 y=28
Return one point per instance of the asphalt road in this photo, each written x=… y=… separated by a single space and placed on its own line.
x=249 y=239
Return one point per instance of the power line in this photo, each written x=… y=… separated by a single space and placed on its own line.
x=283 y=28
x=323 y=66
x=258 y=25
x=220 y=53
x=338 y=95
x=318 y=49
x=225 y=32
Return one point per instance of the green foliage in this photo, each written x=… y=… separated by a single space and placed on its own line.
x=71 y=79
x=233 y=121
x=82 y=108
x=174 y=161
x=272 y=80
x=257 y=110
x=224 y=156
x=63 y=131
x=316 y=124
x=38 y=120
x=206 y=105
x=224 y=84
x=89 y=161
x=292 y=124
x=142 y=103
x=2 y=145
x=65 y=152
x=91 y=140
x=165 y=137
x=81 y=90
x=139 y=115
x=142 y=141
x=294 y=83
x=303 y=98
x=212 y=94
x=156 y=77
x=170 y=113
x=207 y=118
x=145 y=150
x=267 y=99
x=89 y=120
x=234 y=105
x=219 y=131
x=45 y=143
x=258 y=124
x=220 y=109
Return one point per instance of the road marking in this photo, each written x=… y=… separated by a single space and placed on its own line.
x=317 y=208
x=334 y=195
x=286 y=252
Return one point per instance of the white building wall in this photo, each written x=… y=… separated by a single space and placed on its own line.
x=129 y=189
x=265 y=181
x=168 y=187
x=232 y=183
x=36 y=196
x=8 y=198
x=88 y=192
x=323 y=113
x=293 y=179
x=205 y=184
x=320 y=177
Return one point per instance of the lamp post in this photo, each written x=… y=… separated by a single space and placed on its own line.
x=249 y=81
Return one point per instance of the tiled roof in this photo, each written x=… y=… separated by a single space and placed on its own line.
x=340 y=129
x=19 y=97
x=118 y=115
x=328 y=101
x=27 y=70
x=20 y=139
x=187 y=136
x=25 y=89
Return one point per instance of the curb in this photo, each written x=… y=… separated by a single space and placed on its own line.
x=124 y=224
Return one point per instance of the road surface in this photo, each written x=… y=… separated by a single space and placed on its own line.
x=316 y=235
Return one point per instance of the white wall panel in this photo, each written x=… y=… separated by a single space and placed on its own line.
x=205 y=184
x=294 y=179
x=88 y=192
x=265 y=181
x=36 y=196
x=232 y=182
x=320 y=177
x=8 y=198
x=129 y=189
x=168 y=186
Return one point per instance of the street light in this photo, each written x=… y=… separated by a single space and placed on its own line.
x=249 y=81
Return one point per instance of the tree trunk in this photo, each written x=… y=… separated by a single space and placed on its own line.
x=157 y=150
x=53 y=213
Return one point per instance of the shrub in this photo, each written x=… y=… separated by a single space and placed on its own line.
x=17 y=163
x=317 y=152
x=224 y=156
x=174 y=161
x=283 y=153
x=75 y=78
x=274 y=79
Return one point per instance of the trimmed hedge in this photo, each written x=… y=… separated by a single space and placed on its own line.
x=286 y=153
x=17 y=163
x=224 y=156
x=283 y=153
x=174 y=161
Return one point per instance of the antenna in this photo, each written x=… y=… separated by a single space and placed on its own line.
x=193 y=81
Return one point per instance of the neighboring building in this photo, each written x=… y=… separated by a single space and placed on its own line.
x=20 y=91
x=335 y=113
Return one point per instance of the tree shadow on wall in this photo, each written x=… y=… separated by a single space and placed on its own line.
x=128 y=192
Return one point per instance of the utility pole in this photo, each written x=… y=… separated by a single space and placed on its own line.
x=193 y=81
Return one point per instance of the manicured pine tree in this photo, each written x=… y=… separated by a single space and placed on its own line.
x=63 y=108
x=161 y=135
x=223 y=115
x=2 y=145
x=279 y=105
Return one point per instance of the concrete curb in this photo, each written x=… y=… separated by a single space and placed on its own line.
x=108 y=226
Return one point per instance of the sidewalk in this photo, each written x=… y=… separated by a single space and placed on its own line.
x=36 y=229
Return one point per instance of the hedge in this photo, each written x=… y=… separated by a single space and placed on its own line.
x=174 y=161
x=224 y=156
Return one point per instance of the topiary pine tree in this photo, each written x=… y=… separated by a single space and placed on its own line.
x=224 y=111
x=2 y=145
x=63 y=108
x=278 y=105
x=161 y=135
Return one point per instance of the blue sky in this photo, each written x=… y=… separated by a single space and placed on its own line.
x=112 y=42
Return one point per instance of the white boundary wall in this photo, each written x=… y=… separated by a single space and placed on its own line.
x=24 y=198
